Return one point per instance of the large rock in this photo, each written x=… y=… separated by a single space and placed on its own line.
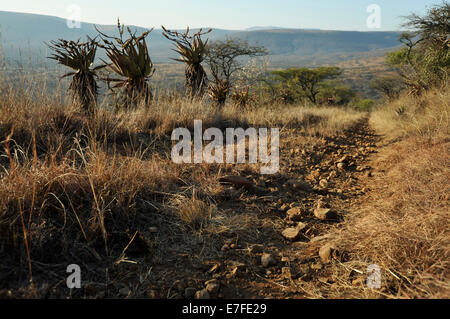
x=293 y=234
x=325 y=214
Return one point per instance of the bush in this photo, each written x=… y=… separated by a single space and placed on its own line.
x=365 y=104
x=335 y=93
x=424 y=62
x=389 y=86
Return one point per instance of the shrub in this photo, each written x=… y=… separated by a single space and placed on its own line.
x=365 y=104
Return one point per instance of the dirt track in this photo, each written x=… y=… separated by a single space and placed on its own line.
x=315 y=172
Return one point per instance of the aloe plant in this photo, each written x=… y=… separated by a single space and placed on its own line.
x=192 y=50
x=79 y=57
x=131 y=61
x=218 y=91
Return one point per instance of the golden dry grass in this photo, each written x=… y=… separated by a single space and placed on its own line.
x=426 y=115
x=403 y=224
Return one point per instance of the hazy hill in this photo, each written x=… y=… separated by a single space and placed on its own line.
x=28 y=32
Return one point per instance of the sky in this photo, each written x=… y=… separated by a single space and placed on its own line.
x=232 y=14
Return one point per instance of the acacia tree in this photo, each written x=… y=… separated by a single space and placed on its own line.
x=307 y=80
x=389 y=86
x=224 y=60
x=425 y=59
x=192 y=50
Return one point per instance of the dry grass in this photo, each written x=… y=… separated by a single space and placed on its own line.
x=403 y=226
x=425 y=116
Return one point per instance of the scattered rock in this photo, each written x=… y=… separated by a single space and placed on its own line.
x=325 y=253
x=293 y=234
x=267 y=260
x=189 y=292
x=237 y=181
x=213 y=286
x=323 y=183
x=316 y=266
x=294 y=214
x=325 y=214
x=202 y=294
x=300 y=185
x=153 y=294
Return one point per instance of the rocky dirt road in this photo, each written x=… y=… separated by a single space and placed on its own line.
x=290 y=217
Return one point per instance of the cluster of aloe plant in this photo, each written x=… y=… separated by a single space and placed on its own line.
x=129 y=59
x=131 y=63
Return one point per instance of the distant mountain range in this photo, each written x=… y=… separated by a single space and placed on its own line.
x=26 y=33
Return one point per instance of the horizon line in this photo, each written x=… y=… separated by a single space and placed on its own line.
x=270 y=28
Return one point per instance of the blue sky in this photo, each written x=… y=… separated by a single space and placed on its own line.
x=230 y=14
